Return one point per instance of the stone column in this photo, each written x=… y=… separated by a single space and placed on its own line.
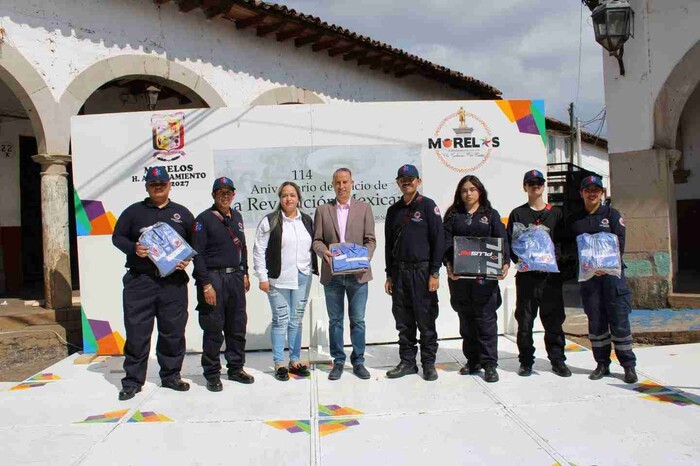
x=643 y=191
x=54 y=219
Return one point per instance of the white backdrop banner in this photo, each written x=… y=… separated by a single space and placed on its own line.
x=259 y=148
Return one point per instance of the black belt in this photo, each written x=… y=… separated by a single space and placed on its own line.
x=153 y=274
x=421 y=265
x=225 y=269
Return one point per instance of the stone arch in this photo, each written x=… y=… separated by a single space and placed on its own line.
x=109 y=69
x=30 y=88
x=287 y=95
x=673 y=96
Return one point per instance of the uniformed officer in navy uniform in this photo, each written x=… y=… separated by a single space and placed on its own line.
x=147 y=296
x=414 y=248
x=221 y=274
x=606 y=299
x=475 y=300
x=537 y=289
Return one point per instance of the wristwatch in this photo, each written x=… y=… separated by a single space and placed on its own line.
x=435 y=274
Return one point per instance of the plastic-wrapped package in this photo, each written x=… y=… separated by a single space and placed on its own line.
x=534 y=248
x=598 y=253
x=348 y=258
x=166 y=248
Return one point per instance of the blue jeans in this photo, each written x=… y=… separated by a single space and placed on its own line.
x=287 y=312
x=335 y=291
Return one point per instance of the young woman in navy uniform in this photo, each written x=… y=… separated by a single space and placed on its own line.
x=475 y=301
x=606 y=299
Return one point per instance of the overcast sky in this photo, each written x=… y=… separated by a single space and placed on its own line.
x=528 y=49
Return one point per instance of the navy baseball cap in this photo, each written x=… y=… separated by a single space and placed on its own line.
x=223 y=182
x=407 y=170
x=589 y=180
x=533 y=175
x=157 y=175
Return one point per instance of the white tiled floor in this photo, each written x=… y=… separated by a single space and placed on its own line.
x=539 y=420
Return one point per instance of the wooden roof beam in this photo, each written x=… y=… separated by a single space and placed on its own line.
x=326 y=44
x=341 y=50
x=248 y=22
x=355 y=54
x=185 y=6
x=370 y=60
x=262 y=31
x=305 y=40
x=290 y=34
x=405 y=72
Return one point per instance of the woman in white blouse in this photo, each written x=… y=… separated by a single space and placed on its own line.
x=284 y=263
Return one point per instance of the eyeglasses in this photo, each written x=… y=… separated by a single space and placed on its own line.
x=535 y=183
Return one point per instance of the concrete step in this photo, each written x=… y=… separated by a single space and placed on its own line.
x=684 y=300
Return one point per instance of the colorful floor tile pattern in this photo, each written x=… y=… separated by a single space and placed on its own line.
x=291 y=426
x=149 y=416
x=325 y=426
x=335 y=410
x=110 y=417
x=38 y=380
x=574 y=348
x=448 y=366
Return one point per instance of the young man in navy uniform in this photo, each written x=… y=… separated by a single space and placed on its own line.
x=606 y=299
x=221 y=274
x=147 y=296
x=415 y=245
x=536 y=289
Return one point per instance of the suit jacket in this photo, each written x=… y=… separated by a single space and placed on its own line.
x=359 y=230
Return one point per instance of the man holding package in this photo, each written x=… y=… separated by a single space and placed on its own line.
x=147 y=295
x=221 y=274
x=538 y=281
x=345 y=220
x=605 y=297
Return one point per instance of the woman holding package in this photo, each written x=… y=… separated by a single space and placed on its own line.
x=284 y=263
x=475 y=300
x=606 y=299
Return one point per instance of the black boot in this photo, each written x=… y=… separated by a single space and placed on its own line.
x=559 y=368
x=601 y=371
x=490 y=374
x=525 y=371
x=429 y=372
x=402 y=369
x=630 y=375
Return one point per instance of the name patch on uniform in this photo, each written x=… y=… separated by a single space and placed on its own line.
x=605 y=223
x=417 y=217
x=484 y=219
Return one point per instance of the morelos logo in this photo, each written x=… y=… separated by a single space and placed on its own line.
x=467 y=146
x=168 y=136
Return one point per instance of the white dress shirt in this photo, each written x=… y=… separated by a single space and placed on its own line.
x=296 y=252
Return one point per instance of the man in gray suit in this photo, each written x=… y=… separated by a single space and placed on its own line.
x=345 y=220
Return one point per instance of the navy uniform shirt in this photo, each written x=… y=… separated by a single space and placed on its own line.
x=551 y=217
x=605 y=218
x=422 y=237
x=144 y=214
x=213 y=239
x=480 y=224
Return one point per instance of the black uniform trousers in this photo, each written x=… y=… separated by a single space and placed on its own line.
x=226 y=321
x=415 y=308
x=544 y=291
x=148 y=297
x=475 y=302
x=606 y=302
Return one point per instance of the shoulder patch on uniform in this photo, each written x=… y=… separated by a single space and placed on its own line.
x=197 y=226
x=436 y=210
x=240 y=225
x=622 y=222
